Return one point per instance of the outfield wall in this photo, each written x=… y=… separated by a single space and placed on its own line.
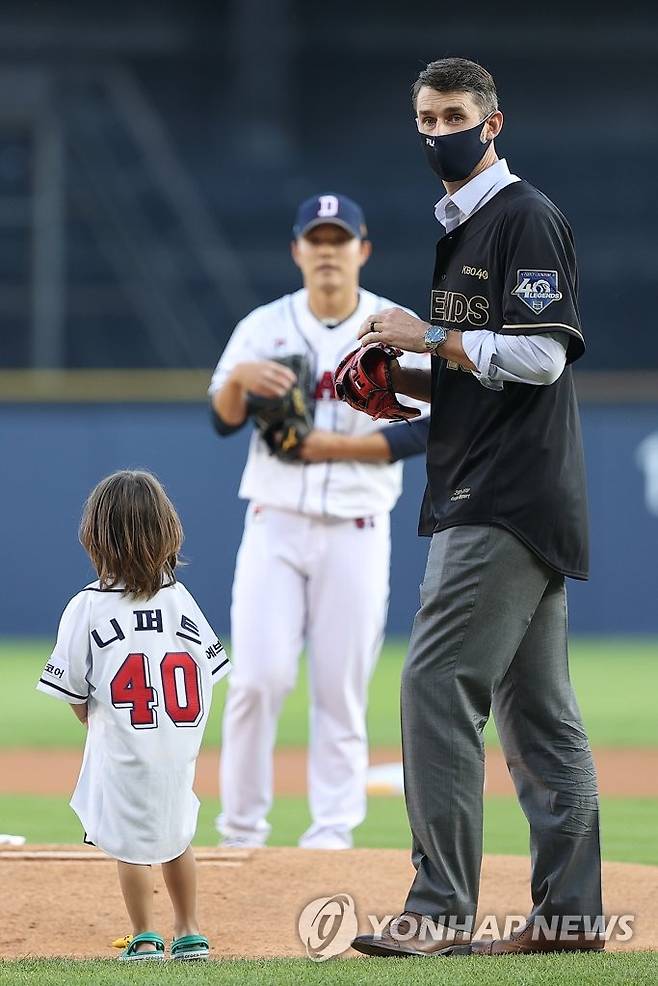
x=52 y=454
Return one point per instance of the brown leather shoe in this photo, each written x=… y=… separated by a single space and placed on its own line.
x=524 y=942
x=408 y=935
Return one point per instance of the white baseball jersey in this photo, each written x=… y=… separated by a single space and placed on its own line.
x=146 y=670
x=326 y=489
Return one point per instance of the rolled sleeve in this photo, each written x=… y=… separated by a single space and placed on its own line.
x=537 y=359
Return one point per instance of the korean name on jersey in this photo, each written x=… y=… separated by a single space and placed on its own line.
x=146 y=670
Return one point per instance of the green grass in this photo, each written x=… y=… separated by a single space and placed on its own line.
x=616 y=681
x=629 y=825
x=620 y=969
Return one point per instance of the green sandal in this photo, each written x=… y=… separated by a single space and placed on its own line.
x=190 y=947
x=147 y=937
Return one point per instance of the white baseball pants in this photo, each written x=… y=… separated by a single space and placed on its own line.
x=299 y=581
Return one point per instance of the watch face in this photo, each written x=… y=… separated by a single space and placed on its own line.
x=435 y=335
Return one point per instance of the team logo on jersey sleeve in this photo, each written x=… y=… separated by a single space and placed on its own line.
x=537 y=288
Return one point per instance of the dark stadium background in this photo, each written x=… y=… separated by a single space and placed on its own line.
x=151 y=159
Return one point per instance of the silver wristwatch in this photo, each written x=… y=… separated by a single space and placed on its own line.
x=435 y=336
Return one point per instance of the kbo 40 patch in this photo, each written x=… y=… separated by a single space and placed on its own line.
x=537 y=288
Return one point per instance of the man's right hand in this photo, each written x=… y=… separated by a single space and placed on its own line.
x=264 y=378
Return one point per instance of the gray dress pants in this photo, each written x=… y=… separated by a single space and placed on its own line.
x=491 y=632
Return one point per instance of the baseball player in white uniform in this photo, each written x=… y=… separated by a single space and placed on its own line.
x=297 y=583
x=137 y=660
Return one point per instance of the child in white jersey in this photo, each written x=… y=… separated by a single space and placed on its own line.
x=137 y=661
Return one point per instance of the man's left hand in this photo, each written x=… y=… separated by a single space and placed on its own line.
x=395 y=327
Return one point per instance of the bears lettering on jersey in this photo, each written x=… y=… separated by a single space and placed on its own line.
x=325 y=390
x=307 y=490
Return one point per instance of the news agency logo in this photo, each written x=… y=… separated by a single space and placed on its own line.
x=327 y=926
x=537 y=289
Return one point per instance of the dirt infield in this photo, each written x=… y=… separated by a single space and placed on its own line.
x=250 y=901
x=621 y=772
x=66 y=900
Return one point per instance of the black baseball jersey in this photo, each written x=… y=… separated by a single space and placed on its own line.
x=512 y=457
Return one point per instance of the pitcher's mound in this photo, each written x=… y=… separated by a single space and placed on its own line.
x=64 y=901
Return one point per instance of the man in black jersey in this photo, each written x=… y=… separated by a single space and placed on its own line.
x=505 y=507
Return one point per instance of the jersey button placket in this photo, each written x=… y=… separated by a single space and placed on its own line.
x=312 y=546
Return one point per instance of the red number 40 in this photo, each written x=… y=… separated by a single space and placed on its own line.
x=131 y=688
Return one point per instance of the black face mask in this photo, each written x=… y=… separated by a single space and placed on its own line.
x=454 y=156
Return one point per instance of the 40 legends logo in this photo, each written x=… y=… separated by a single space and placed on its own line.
x=537 y=288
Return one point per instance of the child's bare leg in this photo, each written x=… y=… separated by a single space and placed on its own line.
x=180 y=877
x=137 y=889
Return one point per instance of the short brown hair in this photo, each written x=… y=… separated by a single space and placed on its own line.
x=459 y=75
x=132 y=533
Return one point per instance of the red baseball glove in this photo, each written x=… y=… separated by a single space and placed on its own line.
x=363 y=380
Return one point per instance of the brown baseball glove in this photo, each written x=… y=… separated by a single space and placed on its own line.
x=363 y=380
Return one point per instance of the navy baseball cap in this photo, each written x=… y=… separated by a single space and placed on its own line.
x=330 y=208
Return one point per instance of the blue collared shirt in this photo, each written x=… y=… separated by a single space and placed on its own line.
x=473 y=195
